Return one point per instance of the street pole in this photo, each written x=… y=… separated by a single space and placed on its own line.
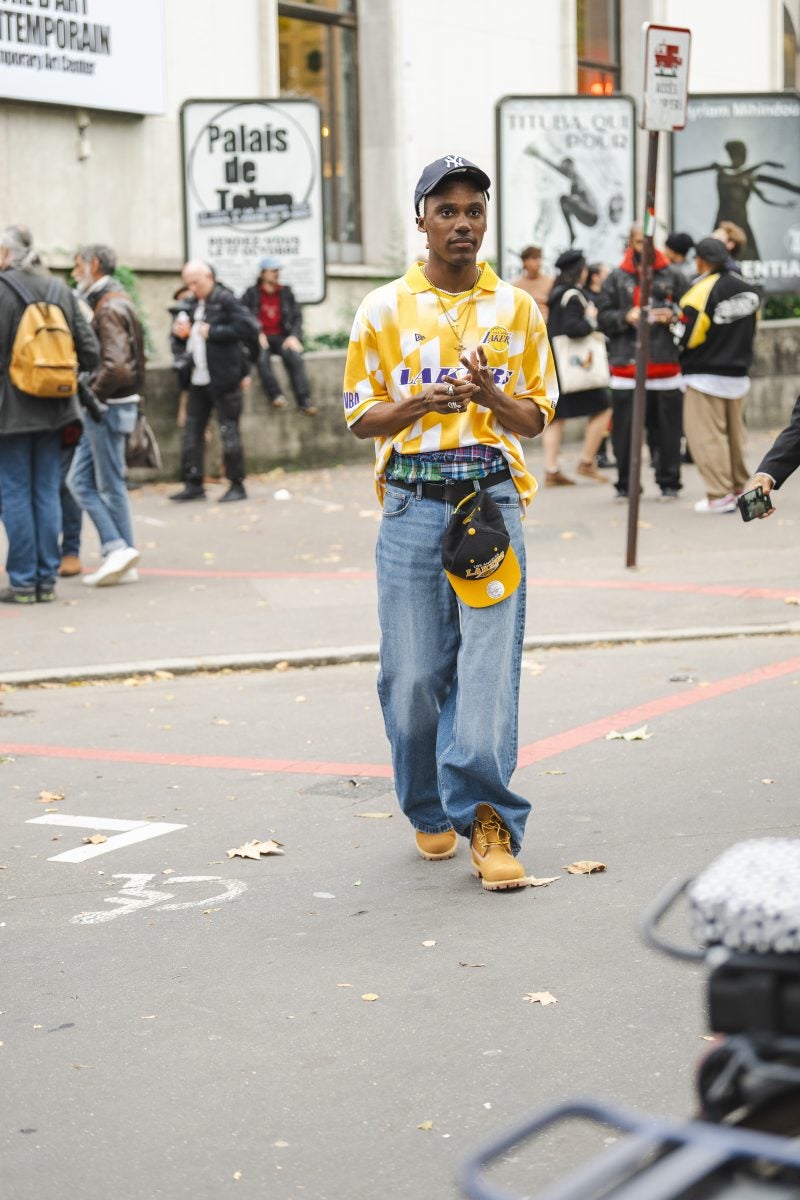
x=642 y=349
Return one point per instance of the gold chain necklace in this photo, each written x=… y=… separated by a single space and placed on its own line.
x=453 y=324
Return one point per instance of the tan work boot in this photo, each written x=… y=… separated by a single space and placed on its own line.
x=70 y=565
x=492 y=860
x=437 y=845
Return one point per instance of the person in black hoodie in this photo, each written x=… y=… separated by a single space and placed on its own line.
x=572 y=313
x=618 y=315
x=220 y=327
x=718 y=326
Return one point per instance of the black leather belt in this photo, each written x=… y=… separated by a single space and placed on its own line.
x=453 y=491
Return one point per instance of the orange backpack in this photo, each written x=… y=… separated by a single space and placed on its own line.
x=43 y=361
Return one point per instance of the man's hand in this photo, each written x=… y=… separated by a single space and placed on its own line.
x=633 y=314
x=482 y=376
x=661 y=316
x=205 y=329
x=766 y=483
x=450 y=396
x=181 y=327
x=262 y=341
x=293 y=343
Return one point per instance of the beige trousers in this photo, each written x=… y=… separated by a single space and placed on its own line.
x=714 y=429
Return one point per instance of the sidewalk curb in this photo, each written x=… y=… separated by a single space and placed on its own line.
x=338 y=656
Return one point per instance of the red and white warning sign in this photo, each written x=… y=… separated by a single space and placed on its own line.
x=666 y=77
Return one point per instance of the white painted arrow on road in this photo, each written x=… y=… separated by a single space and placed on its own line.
x=128 y=833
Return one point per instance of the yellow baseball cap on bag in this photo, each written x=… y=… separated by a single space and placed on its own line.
x=477 y=555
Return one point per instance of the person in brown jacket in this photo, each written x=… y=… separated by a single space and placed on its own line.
x=97 y=475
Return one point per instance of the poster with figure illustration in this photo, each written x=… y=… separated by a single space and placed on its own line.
x=565 y=177
x=738 y=159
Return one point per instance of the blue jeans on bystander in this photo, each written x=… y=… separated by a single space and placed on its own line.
x=29 y=485
x=97 y=476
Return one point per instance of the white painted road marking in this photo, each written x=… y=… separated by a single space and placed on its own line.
x=129 y=833
x=134 y=895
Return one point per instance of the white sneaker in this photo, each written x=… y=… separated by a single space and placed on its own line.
x=724 y=504
x=113 y=567
x=130 y=576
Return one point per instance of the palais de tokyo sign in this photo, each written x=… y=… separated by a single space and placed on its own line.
x=253 y=187
x=102 y=54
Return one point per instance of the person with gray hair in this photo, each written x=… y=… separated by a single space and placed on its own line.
x=32 y=427
x=97 y=475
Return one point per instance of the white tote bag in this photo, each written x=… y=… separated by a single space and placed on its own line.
x=582 y=363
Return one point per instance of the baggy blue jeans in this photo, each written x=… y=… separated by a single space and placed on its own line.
x=97 y=475
x=29 y=482
x=449 y=674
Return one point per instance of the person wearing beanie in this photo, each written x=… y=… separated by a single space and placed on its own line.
x=677 y=248
x=718 y=317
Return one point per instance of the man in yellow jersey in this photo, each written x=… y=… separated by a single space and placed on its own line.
x=447 y=369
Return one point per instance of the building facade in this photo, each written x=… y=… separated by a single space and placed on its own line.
x=399 y=82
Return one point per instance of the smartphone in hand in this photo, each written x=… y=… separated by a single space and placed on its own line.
x=753 y=504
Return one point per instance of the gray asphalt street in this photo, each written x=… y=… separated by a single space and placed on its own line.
x=344 y=1020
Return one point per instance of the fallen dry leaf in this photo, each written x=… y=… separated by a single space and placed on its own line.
x=255 y=849
x=50 y=797
x=376 y=816
x=543 y=998
x=370 y=996
x=568 y=535
x=344 y=985
x=554 y=772
x=96 y=839
x=466 y=964
x=67 y=629
x=425 y=1125
x=429 y=943
x=532 y=881
x=634 y=735
x=585 y=866
x=282 y=665
x=767 y=780
x=791 y=600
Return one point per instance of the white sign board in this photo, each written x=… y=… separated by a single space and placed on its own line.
x=565 y=177
x=666 y=77
x=252 y=174
x=84 y=53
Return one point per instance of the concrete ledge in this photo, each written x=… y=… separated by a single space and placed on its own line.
x=285 y=438
x=330 y=657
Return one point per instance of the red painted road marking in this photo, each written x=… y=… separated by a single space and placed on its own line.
x=570 y=739
x=536 y=752
x=736 y=591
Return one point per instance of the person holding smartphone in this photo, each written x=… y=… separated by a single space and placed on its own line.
x=780 y=461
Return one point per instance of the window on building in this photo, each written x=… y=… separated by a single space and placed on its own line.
x=599 y=68
x=318 y=51
x=790 y=52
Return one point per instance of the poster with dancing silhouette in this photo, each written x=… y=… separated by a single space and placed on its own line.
x=565 y=177
x=738 y=160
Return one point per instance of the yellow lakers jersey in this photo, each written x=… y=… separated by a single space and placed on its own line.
x=406 y=336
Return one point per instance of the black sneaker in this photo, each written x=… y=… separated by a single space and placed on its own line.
x=235 y=492
x=12 y=595
x=669 y=493
x=604 y=462
x=191 y=491
x=45 y=593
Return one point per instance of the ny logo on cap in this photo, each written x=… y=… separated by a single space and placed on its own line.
x=453 y=160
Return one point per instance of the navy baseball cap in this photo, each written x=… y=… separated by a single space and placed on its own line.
x=451 y=164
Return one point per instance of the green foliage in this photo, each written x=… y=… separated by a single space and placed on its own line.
x=781 y=308
x=339 y=340
x=126 y=276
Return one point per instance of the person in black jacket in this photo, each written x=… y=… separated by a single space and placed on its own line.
x=572 y=313
x=220 y=326
x=281 y=322
x=618 y=315
x=781 y=460
x=32 y=428
x=718 y=326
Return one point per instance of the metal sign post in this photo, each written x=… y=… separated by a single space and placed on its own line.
x=664 y=101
